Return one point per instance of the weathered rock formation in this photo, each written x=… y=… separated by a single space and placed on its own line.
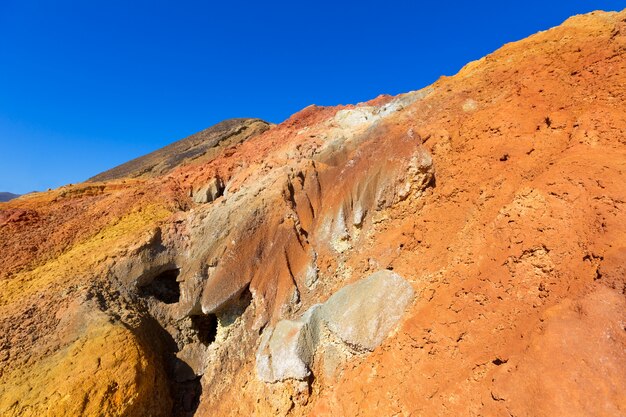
x=357 y=318
x=457 y=250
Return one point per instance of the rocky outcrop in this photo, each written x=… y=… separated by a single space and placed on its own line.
x=359 y=316
x=263 y=277
x=209 y=192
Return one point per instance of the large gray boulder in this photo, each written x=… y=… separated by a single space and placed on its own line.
x=360 y=315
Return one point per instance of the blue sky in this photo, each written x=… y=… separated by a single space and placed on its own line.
x=87 y=85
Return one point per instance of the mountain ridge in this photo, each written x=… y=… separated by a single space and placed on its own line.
x=6 y=196
x=208 y=141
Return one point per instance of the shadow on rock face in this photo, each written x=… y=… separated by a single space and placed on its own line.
x=164 y=287
x=185 y=389
x=205 y=326
x=185 y=386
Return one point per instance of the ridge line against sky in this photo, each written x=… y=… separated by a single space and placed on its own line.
x=86 y=87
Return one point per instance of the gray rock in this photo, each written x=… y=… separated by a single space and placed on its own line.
x=285 y=352
x=362 y=314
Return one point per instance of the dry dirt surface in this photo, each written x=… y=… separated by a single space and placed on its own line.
x=456 y=250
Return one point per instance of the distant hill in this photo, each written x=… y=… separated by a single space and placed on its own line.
x=204 y=144
x=4 y=196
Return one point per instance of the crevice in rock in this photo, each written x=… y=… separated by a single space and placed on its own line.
x=547 y=121
x=290 y=195
x=183 y=341
x=432 y=182
x=235 y=308
x=243 y=301
x=205 y=327
x=184 y=386
x=498 y=361
x=187 y=397
x=164 y=287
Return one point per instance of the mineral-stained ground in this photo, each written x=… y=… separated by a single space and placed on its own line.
x=459 y=250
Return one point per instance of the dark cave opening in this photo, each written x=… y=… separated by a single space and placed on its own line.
x=205 y=326
x=164 y=287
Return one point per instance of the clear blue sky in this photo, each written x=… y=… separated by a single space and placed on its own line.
x=87 y=85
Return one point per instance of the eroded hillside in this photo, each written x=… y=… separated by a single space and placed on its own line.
x=456 y=250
